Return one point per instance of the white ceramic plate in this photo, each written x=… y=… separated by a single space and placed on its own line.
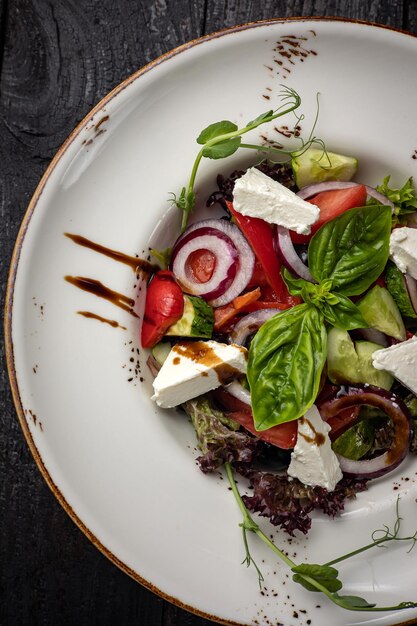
x=123 y=469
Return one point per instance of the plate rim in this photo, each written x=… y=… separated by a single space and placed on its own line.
x=14 y=263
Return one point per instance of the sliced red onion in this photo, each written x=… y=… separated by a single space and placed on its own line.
x=411 y=284
x=226 y=290
x=153 y=365
x=393 y=407
x=334 y=185
x=374 y=335
x=251 y=323
x=225 y=269
x=238 y=391
x=286 y=251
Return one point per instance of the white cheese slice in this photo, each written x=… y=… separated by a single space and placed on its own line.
x=403 y=249
x=313 y=461
x=258 y=195
x=400 y=360
x=196 y=367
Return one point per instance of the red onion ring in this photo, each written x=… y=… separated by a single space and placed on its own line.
x=238 y=391
x=334 y=185
x=411 y=284
x=393 y=406
x=374 y=335
x=250 y=323
x=153 y=365
x=285 y=249
x=221 y=246
x=226 y=290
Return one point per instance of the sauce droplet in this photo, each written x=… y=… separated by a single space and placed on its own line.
x=135 y=263
x=98 y=289
x=94 y=316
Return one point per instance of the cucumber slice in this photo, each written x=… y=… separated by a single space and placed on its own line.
x=316 y=166
x=341 y=357
x=197 y=320
x=398 y=289
x=380 y=311
x=367 y=372
x=349 y=362
x=161 y=351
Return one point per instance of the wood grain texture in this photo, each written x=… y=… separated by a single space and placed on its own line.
x=58 y=58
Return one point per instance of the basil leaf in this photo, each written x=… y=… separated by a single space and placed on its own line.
x=352 y=249
x=294 y=285
x=215 y=130
x=323 y=574
x=222 y=149
x=286 y=358
x=343 y=314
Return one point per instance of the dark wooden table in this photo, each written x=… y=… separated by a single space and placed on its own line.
x=58 y=58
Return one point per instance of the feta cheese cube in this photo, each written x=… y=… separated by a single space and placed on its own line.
x=313 y=461
x=196 y=367
x=403 y=249
x=400 y=360
x=258 y=195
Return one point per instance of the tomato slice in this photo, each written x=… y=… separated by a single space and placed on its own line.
x=331 y=204
x=258 y=278
x=164 y=305
x=201 y=264
x=283 y=436
x=342 y=421
x=260 y=237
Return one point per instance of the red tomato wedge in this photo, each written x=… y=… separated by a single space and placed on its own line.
x=164 y=305
x=342 y=421
x=332 y=204
x=258 y=278
x=283 y=436
x=260 y=237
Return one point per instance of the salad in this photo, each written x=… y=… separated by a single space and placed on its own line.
x=285 y=331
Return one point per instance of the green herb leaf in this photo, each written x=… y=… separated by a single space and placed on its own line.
x=352 y=249
x=337 y=309
x=356 y=441
x=222 y=149
x=323 y=574
x=310 y=292
x=295 y=285
x=162 y=256
x=404 y=199
x=353 y=602
x=286 y=359
x=261 y=119
x=215 y=130
x=344 y=314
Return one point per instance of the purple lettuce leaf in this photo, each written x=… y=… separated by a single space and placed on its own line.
x=219 y=438
x=287 y=502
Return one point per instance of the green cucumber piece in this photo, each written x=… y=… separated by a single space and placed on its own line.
x=160 y=351
x=341 y=357
x=197 y=320
x=368 y=373
x=349 y=362
x=315 y=166
x=380 y=311
x=398 y=289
